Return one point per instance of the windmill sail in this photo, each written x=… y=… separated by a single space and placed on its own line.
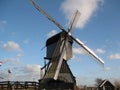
x=74 y=20
x=89 y=51
x=47 y=15
x=60 y=61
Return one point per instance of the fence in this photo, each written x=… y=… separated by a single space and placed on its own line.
x=18 y=85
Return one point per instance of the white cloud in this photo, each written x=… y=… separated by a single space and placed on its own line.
x=11 y=46
x=11 y=61
x=87 y=9
x=107 y=68
x=26 y=41
x=19 y=55
x=2 y=25
x=79 y=51
x=31 y=70
x=100 y=51
x=19 y=70
x=52 y=33
x=114 y=56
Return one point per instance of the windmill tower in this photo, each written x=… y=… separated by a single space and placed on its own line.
x=59 y=50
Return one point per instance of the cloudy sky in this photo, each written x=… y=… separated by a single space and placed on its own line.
x=24 y=31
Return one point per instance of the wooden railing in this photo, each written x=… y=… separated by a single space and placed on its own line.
x=18 y=85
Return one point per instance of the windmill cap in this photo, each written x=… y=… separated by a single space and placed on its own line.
x=56 y=38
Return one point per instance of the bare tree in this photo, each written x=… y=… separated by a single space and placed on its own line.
x=98 y=81
x=117 y=84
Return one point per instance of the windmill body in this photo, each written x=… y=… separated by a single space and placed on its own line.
x=58 y=75
x=55 y=46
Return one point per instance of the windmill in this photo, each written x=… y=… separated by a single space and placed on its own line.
x=59 y=51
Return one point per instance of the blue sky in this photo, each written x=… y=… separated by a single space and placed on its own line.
x=24 y=31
